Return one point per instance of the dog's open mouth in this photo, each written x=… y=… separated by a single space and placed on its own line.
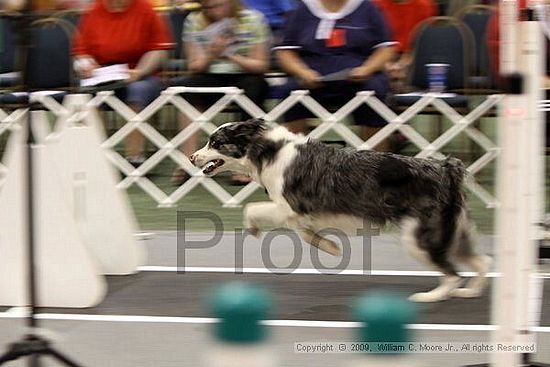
x=212 y=165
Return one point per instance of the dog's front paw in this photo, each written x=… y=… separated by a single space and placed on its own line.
x=251 y=227
x=427 y=297
x=255 y=231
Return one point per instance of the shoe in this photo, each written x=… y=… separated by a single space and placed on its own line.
x=179 y=176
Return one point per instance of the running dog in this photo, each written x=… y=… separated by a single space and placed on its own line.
x=315 y=186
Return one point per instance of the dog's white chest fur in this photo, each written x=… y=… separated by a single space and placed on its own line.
x=272 y=176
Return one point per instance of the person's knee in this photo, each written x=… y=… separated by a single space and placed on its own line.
x=143 y=92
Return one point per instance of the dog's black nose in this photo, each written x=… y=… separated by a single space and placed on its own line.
x=192 y=158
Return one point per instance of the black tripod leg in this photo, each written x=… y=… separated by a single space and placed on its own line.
x=7 y=357
x=12 y=356
x=30 y=347
x=62 y=358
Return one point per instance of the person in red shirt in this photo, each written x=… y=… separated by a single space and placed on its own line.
x=403 y=16
x=125 y=32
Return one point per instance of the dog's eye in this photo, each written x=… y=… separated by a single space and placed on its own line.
x=214 y=145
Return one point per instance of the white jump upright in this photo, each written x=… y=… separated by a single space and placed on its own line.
x=101 y=210
x=68 y=274
x=520 y=174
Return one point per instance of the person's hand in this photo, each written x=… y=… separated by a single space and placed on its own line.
x=85 y=67
x=359 y=74
x=310 y=79
x=396 y=70
x=219 y=45
x=135 y=75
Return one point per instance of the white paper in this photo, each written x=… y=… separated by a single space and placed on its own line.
x=11 y=75
x=421 y=94
x=337 y=76
x=106 y=74
x=37 y=93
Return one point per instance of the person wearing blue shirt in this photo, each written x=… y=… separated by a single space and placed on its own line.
x=275 y=12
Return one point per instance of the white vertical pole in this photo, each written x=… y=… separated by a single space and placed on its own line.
x=520 y=183
x=509 y=177
x=533 y=67
x=505 y=310
x=508 y=36
x=530 y=64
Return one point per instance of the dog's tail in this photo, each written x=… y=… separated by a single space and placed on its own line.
x=456 y=173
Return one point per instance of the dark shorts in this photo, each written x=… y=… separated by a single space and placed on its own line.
x=254 y=86
x=335 y=94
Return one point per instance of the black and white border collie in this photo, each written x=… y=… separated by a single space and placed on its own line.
x=315 y=186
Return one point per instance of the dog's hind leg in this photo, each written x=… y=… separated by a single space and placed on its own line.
x=413 y=242
x=320 y=242
x=467 y=254
x=475 y=286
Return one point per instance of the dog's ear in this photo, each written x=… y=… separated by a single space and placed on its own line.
x=250 y=127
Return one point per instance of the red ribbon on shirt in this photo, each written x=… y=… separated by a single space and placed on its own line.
x=337 y=38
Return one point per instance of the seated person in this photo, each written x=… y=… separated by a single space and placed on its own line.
x=403 y=16
x=225 y=45
x=323 y=37
x=125 y=32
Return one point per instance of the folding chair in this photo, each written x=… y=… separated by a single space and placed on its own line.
x=438 y=40
x=476 y=18
x=8 y=76
x=48 y=63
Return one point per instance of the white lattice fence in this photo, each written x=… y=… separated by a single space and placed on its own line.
x=8 y=122
x=201 y=121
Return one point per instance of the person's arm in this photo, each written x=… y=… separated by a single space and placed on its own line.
x=291 y=63
x=374 y=63
x=257 y=59
x=199 y=56
x=84 y=62
x=255 y=62
x=397 y=70
x=287 y=52
x=148 y=64
x=384 y=49
x=12 y=5
x=199 y=59
x=158 y=42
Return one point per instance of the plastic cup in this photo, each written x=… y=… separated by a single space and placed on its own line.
x=437 y=77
